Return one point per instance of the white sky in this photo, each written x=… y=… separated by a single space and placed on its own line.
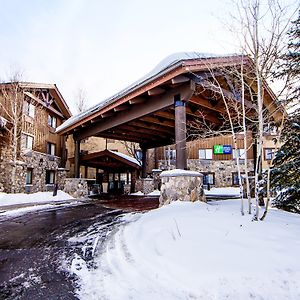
x=103 y=46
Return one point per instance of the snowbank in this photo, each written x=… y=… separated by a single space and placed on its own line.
x=154 y=193
x=20 y=198
x=196 y=251
x=227 y=191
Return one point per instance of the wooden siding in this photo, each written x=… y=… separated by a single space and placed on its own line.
x=208 y=143
x=37 y=126
x=42 y=132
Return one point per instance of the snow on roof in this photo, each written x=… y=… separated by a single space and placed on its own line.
x=127 y=157
x=167 y=64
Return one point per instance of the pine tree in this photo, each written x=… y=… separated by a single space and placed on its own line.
x=286 y=165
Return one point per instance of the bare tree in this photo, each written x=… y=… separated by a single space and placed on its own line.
x=81 y=100
x=133 y=149
x=11 y=103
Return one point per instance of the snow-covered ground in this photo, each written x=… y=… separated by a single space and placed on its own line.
x=226 y=191
x=12 y=205
x=20 y=198
x=196 y=251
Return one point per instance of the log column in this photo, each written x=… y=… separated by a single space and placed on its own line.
x=76 y=159
x=144 y=162
x=180 y=133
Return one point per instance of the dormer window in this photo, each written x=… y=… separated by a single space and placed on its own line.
x=29 y=109
x=52 y=121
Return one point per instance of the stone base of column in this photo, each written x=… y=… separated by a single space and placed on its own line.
x=181 y=185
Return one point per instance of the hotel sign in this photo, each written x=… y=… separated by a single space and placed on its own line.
x=222 y=149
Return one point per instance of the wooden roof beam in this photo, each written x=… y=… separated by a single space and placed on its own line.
x=157 y=103
x=153 y=127
x=156 y=91
x=165 y=114
x=143 y=131
x=205 y=115
x=120 y=108
x=154 y=120
x=137 y=100
x=204 y=103
x=107 y=114
x=134 y=139
x=119 y=131
x=179 y=79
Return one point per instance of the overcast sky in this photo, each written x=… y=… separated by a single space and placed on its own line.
x=103 y=46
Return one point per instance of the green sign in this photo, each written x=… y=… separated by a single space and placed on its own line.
x=218 y=149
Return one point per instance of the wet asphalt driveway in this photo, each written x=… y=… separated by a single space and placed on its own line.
x=34 y=246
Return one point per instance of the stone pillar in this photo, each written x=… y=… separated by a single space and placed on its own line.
x=144 y=162
x=76 y=159
x=180 y=133
x=181 y=185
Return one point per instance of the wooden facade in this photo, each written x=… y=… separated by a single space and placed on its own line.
x=194 y=146
x=46 y=103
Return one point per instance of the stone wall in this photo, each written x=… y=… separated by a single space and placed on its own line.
x=222 y=169
x=76 y=187
x=181 y=186
x=145 y=185
x=39 y=163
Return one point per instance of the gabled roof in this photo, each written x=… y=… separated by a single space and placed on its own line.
x=99 y=159
x=61 y=103
x=177 y=60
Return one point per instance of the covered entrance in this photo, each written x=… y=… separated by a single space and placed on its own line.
x=182 y=97
x=116 y=172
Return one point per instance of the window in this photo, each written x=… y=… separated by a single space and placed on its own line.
x=238 y=153
x=50 y=177
x=170 y=154
x=235 y=178
x=29 y=109
x=50 y=148
x=270 y=129
x=268 y=153
x=29 y=176
x=138 y=155
x=26 y=141
x=52 y=121
x=205 y=153
x=208 y=178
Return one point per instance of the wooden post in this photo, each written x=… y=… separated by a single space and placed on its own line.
x=63 y=151
x=180 y=133
x=86 y=171
x=76 y=158
x=144 y=162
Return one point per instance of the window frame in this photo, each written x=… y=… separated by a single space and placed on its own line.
x=29 y=171
x=52 y=121
x=50 y=177
x=213 y=177
x=241 y=156
x=29 y=109
x=272 y=153
x=50 y=147
x=206 y=151
x=233 y=174
x=26 y=137
x=172 y=152
x=138 y=154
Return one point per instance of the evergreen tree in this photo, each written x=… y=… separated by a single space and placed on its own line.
x=285 y=173
x=286 y=165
